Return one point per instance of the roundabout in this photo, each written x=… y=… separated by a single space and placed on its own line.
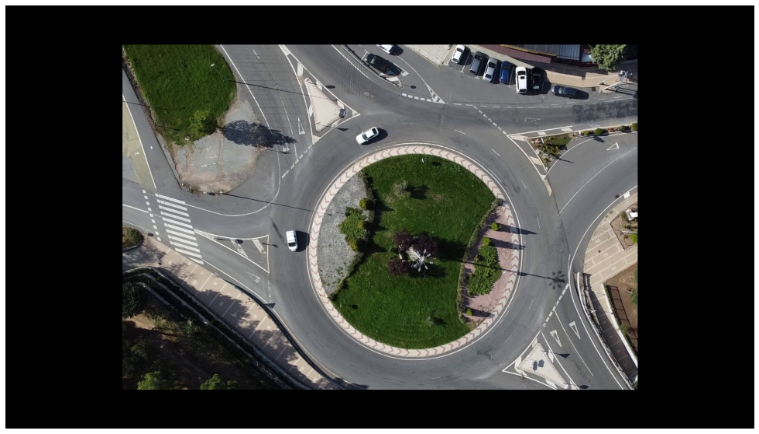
x=420 y=149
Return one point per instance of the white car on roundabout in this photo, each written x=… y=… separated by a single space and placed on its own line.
x=367 y=135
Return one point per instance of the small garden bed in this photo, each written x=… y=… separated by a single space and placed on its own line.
x=621 y=223
x=605 y=131
x=130 y=237
x=551 y=147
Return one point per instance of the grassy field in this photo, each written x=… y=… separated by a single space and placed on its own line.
x=177 y=80
x=442 y=199
x=158 y=339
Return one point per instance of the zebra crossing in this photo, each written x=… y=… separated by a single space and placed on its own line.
x=177 y=224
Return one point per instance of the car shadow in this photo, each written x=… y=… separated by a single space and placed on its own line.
x=303 y=239
x=381 y=135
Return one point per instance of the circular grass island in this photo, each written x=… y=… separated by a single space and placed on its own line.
x=424 y=195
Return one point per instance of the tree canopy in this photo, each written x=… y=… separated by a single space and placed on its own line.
x=607 y=56
x=216 y=383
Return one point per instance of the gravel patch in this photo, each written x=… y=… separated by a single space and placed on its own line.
x=333 y=252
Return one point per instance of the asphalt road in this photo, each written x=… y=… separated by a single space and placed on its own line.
x=553 y=226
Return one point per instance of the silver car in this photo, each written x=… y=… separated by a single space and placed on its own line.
x=490 y=70
x=292 y=241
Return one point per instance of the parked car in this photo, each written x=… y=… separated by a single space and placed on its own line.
x=536 y=80
x=378 y=63
x=505 y=69
x=478 y=60
x=292 y=240
x=568 y=92
x=492 y=64
x=367 y=135
x=458 y=54
x=387 y=48
x=521 y=79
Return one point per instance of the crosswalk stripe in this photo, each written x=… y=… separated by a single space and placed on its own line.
x=175 y=217
x=179 y=229
x=192 y=237
x=166 y=219
x=173 y=211
x=182 y=240
x=172 y=204
x=170 y=198
x=185 y=252
x=176 y=243
x=198 y=261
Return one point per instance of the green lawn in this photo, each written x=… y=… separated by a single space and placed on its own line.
x=177 y=80
x=445 y=200
x=559 y=141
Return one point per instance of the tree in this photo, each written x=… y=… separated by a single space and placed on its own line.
x=153 y=381
x=131 y=300
x=607 y=56
x=202 y=124
x=403 y=240
x=397 y=267
x=426 y=242
x=216 y=383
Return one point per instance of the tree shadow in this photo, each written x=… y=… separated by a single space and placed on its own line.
x=245 y=133
x=479 y=313
x=419 y=192
x=506 y=245
x=433 y=271
x=450 y=250
x=516 y=230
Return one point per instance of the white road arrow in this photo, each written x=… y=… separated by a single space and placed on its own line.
x=301 y=131
x=254 y=276
x=556 y=336
x=573 y=326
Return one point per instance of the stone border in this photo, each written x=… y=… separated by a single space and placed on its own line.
x=329 y=194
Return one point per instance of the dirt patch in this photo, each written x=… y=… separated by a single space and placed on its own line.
x=620 y=287
x=620 y=223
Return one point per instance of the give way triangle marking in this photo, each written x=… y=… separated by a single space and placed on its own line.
x=573 y=326
x=556 y=336
x=614 y=146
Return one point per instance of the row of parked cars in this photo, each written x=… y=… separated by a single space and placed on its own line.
x=527 y=79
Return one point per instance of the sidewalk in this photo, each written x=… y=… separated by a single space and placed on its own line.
x=438 y=55
x=604 y=258
x=233 y=306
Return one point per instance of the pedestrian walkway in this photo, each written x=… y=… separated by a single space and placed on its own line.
x=438 y=55
x=231 y=305
x=604 y=258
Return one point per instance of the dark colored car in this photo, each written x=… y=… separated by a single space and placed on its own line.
x=478 y=61
x=505 y=69
x=378 y=63
x=536 y=80
x=568 y=92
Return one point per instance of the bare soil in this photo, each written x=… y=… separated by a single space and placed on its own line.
x=620 y=224
x=193 y=357
x=620 y=287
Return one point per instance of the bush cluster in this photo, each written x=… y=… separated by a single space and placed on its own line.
x=353 y=228
x=398 y=267
x=634 y=126
x=634 y=238
x=486 y=271
x=365 y=203
x=599 y=131
x=495 y=226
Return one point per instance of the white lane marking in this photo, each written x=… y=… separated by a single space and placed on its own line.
x=147 y=203
x=573 y=196
x=176 y=217
x=570 y=340
x=469 y=56
x=171 y=205
x=173 y=211
x=432 y=92
x=292 y=133
x=191 y=237
x=166 y=219
x=176 y=243
x=357 y=68
x=525 y=154
x=197 y=260
x=170 y=198
x=140 y=139
x=184 y=241
x=528 y=132
x=178 y=228
x=460 y=132
x=254 y=52
x=158 y=238
x=416 y=97
x=247 y=87
x=538 y=222
x=140 y=210
x=185 y=252
x=496 y=153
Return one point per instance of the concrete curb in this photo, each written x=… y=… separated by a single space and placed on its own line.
x=346 y=48
x=334 y=188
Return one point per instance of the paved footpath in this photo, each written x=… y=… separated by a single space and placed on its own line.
x=604 y=258
x=233 y=306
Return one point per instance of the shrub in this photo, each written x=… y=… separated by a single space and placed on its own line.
x=585 y=133
x=486 y=241
x=353 y=226
x=486 y=271
x=365 y=203
x=400 y=188
x=634 y=238
x=353 y=245
x=623 y=128
x=634 y=126
x=130 y=237
x=132 y=298
x=397 y=267
x=426 y=242
x=599 y=131
x=495 y=226
x=402 y=239
x=634 y=297
x=469 y=311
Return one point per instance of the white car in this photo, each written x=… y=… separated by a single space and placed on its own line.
x=458 y=54
x=387 y=48
x=521 y=79
x=490 y=70
x=367 y=135
x=292 y=240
